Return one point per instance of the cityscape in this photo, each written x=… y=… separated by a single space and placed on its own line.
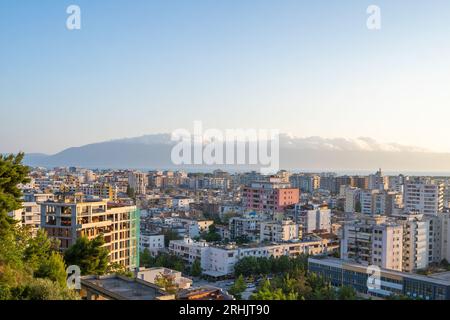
x=260 y=154
x=167 y=235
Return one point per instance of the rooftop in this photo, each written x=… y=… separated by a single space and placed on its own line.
x=122 y=288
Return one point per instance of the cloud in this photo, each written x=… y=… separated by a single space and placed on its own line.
x=344 y=144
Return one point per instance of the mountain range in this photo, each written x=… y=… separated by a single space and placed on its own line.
x=310 y=153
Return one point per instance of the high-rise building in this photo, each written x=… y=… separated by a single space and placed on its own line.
x=424 y=196
x=313 y=218
x=271 y=196
x=415 y=241
x=378 y=182
x=372 y=240
x=138 y=182
x=71 y=218
x=352 y=198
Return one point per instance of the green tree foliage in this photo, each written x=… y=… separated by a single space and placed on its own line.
x=238 y=287
x=12 y=173
x=43 y=289
x=346 y=293
x=30 y=268
x=248 y=266
x=170 y=235
x=131 y=193
x=162 y=260
x=211 y=235
x=292 y=280
x=167 y=283
x=119 y=269
x=196 y=268
x=89 y=255
x=52 y=268
x=145 y=258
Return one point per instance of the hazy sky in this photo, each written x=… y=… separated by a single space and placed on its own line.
x=310 y=68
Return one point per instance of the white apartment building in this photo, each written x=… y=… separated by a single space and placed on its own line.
x=415 y=241
x=371 y=240
x=425 y=197
x=154 y=242
x=378 y=182
x=220 y=260
x=28 y=216
x=279 y=231
x=313 y=218
x=351 y=198
x=376 y=202
x=182 y=202
x=445 y=236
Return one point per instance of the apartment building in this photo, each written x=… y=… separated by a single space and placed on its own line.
x=69 y=218
x=138 y=182
x=279 y=231
x=305 y=182
x=415 y=241
x=101 y=190
x=352 y=197
x=28 y=216
x=152 y=241
x=271 y=196
x=373 y=241
x=377 y=202
x=313 y=218
x=248 y=226
x=182 y=202
x=218 y=261
x=378 y=181
x=424 y=196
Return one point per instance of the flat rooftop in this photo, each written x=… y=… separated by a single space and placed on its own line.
x=441 y=276
x=122 y=288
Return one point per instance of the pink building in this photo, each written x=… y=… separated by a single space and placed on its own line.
x=270 y=196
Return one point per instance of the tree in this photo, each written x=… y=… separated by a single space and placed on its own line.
x=119 y=269
x=89 y=255
x=29 y=267
x=12 y=173
x=53 y=268
x=43 y=289
x=146 y=259
x=131 y=193
x=170 y=235
x=238 y=287
x=196 y=269
x=346 y=293
x=39 y=248
x=167 y=283
x=211 y=235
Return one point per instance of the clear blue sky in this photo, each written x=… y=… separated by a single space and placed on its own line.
x=151 y=66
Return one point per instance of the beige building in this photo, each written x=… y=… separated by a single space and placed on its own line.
x=67 y=220
x=279 y=231
x=373 y=241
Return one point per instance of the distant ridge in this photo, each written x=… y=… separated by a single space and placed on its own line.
x=312 y=153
